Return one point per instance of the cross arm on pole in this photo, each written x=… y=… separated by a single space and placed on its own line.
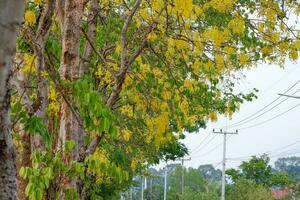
x=224 y=132
x=291 y=96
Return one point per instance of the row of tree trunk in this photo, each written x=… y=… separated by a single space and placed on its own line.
x=11 y=17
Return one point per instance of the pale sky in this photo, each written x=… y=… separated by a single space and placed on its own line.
x=270 y=136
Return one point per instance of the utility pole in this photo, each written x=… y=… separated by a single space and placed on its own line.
x=151 y=189
x=165 y=184
x=182 y=173
x=142 y=197
x=130 y=193
x=225 y=133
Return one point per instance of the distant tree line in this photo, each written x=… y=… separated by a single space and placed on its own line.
x=252 y=180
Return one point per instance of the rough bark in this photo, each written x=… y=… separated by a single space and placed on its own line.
x=11 y=13
x=23 y=149
x=23 y=152
x=70 y=13
x=39 y=46
x=69 y=67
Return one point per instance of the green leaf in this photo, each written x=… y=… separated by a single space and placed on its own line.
x=70 y=145
x=105 y=124
x=23 y=172
x=29 y=189
x=38 y=194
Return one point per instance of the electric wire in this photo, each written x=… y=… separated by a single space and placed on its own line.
x=270 y=109
x=214 y=136
x=199 y=145
x=263 y=108
x=273 y=153
x=270 y=119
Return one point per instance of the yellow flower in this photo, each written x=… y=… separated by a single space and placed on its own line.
x=213 y=116
x=30 y=18
x=229 y=50
x=126 y=135
x=217 y=36
x=222 y=6
x=184 y=8
x=28 y=66
x=166 y=95
x=267 y=50
x=44 y=74
x=118 y=49
x=188 y=84
x=237 y=25
x=243 y=59
x=293 y=55
x=52 y=94
x=38 y=2
x=283 y=46
x=127 y=110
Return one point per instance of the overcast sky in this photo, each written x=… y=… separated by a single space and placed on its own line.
x=268 y=137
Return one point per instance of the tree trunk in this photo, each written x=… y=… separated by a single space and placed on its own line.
x=70 y=13
x=23 y=160
x=39 y=46
x=11 y=13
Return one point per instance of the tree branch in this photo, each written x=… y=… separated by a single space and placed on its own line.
x=98 y=54
x=91 y=33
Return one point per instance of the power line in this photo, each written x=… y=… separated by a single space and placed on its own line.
x=271 y=153
x=290 y=96
x=287 y=152
x=280 y=79
x=211 y=150
x=282 y=154
x=214 y=136
x=270 y=119
x=199 y=145
x=263 y=108
x=284 y=147
x=251 y=119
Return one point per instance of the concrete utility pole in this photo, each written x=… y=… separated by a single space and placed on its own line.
x=224 y=159
x=165 y=184
x=142 y=197
x=151 y=194
x=182 y=173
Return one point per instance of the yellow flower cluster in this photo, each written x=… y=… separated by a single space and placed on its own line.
x=188 y=84
x=213 y=116
x=221 y=6
x=237 y=25
x=216 y=36
x=30 y=18
x=244 y=59
x=293 y=54
x=267 y=50
x=53 y=107
x=127 y=110
x=126 y=134
x=229 y=50
x=29 y=65
x=184 y=8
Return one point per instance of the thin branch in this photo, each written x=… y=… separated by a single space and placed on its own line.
x=112 y=72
